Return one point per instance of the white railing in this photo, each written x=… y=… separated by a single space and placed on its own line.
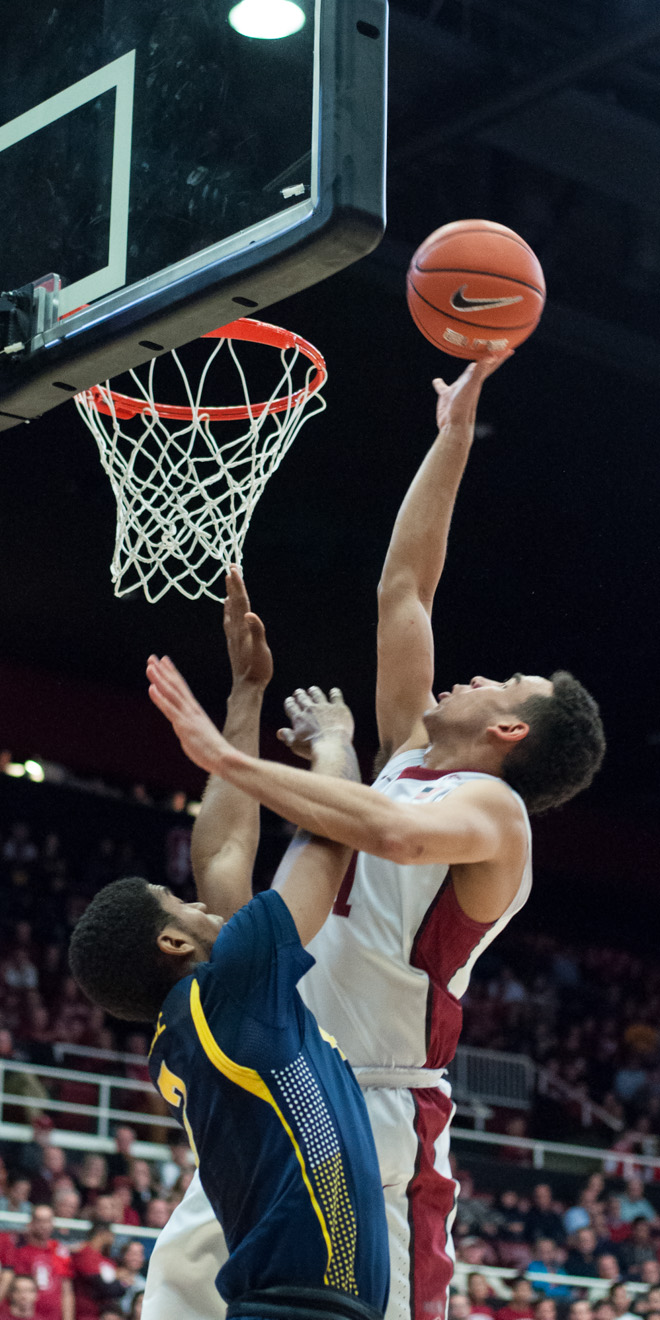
x=498 y=1275
x=16 y=1219
x=492 y=1077
x=103 y=1112
x=629 y=1163
x=62 y=1048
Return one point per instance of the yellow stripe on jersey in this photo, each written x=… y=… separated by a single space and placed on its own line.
x=331 y=1041
x=250 y=1080
x=173 y=1089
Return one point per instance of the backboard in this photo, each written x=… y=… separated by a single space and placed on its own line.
x=175 y=173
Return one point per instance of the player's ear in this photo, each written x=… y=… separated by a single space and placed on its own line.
x=175 y=942
x=508 y=729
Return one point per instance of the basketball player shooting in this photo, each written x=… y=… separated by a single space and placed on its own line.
x=442 y=844
x=272 y=1111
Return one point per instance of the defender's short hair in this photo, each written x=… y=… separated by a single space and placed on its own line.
x=564 y=748
x=114 y=954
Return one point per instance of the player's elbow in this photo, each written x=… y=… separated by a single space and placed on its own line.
x=401 y=844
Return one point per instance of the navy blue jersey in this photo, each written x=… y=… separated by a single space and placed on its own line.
x=274 y=1115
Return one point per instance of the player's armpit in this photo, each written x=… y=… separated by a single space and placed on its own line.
x=480 y=822
x=405 y=666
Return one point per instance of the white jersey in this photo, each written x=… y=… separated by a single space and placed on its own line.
x=398 y=944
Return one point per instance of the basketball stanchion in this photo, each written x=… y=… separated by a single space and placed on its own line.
x=186 y=478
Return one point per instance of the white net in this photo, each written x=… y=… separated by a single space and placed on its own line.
x=186 y=488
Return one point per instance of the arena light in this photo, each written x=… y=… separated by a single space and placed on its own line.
x=35 y=771
x=14 y=769
x=269 y=20
x=194 y=808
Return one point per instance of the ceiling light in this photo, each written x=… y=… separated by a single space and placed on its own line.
x=267 y=19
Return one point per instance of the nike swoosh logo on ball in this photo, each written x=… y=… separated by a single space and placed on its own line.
x=462 y=304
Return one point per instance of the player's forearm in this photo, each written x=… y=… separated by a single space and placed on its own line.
x=418 y=546
x=226 y=833
x=333 y=756
x=346 y=813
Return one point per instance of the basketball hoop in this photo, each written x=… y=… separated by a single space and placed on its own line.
x=185 y=495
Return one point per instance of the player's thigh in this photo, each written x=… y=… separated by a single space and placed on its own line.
x=184 y=1263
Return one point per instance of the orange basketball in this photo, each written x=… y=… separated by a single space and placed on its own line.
x=475 y=287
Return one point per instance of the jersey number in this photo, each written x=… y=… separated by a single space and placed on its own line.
x=341 y=906
x=174 y=1092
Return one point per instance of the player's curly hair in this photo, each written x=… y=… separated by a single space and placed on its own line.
x=564 y=748
x=114 y=954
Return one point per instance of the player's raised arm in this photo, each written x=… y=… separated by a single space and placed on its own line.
x=226 y=832
x=414 y=563
x=312 y=869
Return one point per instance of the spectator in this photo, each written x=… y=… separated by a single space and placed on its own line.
x=579 y=1216
x=603 y=1309
x=548 y=1259
x=92 y=1178
x=157 y=1214
x=545 y=1309
x=633 y=1204
x=17 y=1197
x=140 y=1176
x=53 y=1165
x=458 y=1307
x=649 y=1273
x=608 y=1266
x=542 y=1220
x=136 y=1309
x=21 y=1299
x=111 y=1313
x=123 y=1194
x=66 y=1205
x=648 y=1301
x=582 y=1258
x=119 y=1162
x=181 y=1159
x=19 y=971
x=580 y=1310
x=480 y=1295
x=620 y=1299
x=47 y=1261
x=129 y=1272
x=95 y=1275
x=471 y=1210
x=520 y=1306
x=638 y=1248
x=32 y=1153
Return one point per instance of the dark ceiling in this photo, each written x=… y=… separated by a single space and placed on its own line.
x=544 y=118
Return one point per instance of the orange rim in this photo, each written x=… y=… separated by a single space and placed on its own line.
x=259 y=332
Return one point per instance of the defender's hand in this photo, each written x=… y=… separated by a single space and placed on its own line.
x=457 y=403
x=249 y=653
x=199 y=738
x=314 y=717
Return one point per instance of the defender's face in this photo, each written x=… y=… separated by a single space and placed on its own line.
x=474 y=706
x=192 y=918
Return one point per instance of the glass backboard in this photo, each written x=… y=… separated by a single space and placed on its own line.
x=175 y=172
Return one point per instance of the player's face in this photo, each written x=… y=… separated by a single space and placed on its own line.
x=192 y=918
x=472 y=707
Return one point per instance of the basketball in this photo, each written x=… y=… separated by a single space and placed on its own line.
x=474 y=287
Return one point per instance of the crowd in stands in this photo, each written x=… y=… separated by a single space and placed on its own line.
x=590 y=1017
x=608 y=1238
x=60 y=1271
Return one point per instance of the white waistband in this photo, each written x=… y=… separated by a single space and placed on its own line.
x=394 y=1077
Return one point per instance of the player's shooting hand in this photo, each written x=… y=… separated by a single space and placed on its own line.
x=315 y=717
x=199 y=738
x=457 y=403
x=249 y=653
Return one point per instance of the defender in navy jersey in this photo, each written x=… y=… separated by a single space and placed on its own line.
x=274 y=1116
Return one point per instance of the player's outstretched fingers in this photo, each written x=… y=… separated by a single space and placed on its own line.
x=336 y=695
x=286 y=736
